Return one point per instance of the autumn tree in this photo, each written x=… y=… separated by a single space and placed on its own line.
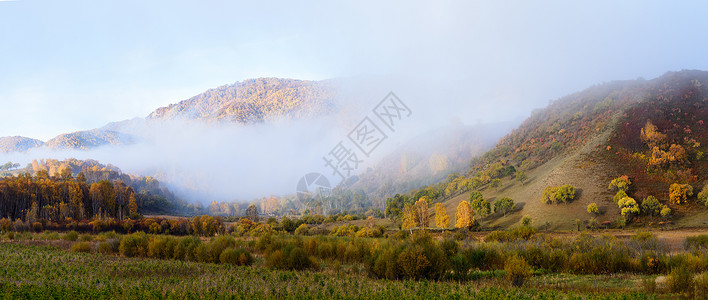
x=652 y=136
x=593 y=209
x=481 y=206
x=679 y=193
x=621 y=183
x=703 y=195
x=132 y=206
x=441 y=218
x=422 y=215
x=252 y=212
x=629 y=207
x=409 y=217
x=558 y=194
x=464 y=215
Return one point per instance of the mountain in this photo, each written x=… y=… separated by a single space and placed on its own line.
x=247 y=102
x=255 y=101
x=84 y=140
x=18 y=144
x=651 y=131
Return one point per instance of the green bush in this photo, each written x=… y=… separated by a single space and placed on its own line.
x=135 y=244
x=460 y=266
x=218 y=245
x=161 y=247
x=105 y=248
x=291 y=257
x=239 y=257
x=71 y=236
x=84 y=247
x=417 y=258
x=201 y=253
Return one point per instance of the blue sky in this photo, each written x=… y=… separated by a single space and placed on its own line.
x=73 y=65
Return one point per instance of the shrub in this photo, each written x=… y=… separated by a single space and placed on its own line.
x=290 y=257
x=218 y=245
x=71 y=236
x=37 y=226
x=460 y=266
x=201 y=253
x=161 y=247
x=703 y=195
x=84 y=247
x=303 y=229
x=628 y=206
x=239 y=257
x=651 y=206
x=104 y=248
x=517 y=270
x=5 y=224
x=526 y=221
x=680 y=280
x=696 y=243
x=135 y=244
x=665 y=212
x=621 y=183
x=593 y=209
x=86 y=238
x=701 y=282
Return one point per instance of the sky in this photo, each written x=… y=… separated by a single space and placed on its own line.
x=76 y=65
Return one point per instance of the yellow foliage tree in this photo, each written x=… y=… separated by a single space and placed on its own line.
x=679 y=193
x=132 y=205
x=652 y=136
x=408 y=217
x=441 y=218
x=464 y=216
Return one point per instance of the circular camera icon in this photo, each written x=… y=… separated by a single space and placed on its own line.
x=312 y=185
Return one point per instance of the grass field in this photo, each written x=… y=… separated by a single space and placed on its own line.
x=44 y=271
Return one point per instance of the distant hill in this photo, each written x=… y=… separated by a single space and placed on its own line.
x=247 y=102
x=18 y=144
x=84 y=140
x=427 y=159
x=255 y=101
x=588 y=138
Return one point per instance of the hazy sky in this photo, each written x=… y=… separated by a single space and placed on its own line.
x=73 y=65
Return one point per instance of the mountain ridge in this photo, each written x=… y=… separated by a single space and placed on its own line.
x=246 y=102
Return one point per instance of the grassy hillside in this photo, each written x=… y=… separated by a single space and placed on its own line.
x=588 y=138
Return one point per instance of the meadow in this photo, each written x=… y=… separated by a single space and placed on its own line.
x=513 y=264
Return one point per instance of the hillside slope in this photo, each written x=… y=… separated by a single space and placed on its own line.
x=588 y=138
x=254 y=101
